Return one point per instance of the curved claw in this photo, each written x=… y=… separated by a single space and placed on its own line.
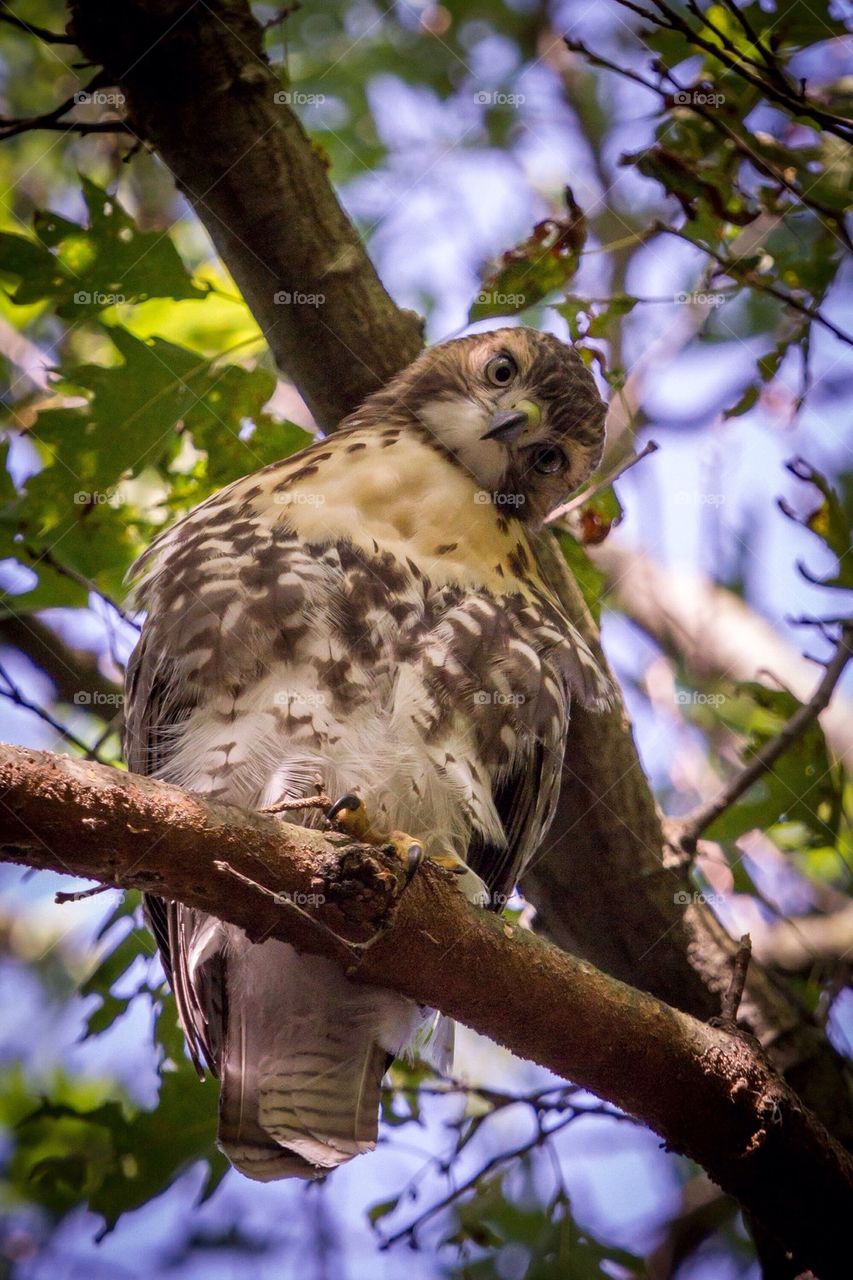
x=349 y=802
x=414 y=857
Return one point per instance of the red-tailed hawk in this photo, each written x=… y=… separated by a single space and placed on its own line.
x=366 y=615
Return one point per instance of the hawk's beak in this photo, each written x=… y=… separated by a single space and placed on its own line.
x=507 y=424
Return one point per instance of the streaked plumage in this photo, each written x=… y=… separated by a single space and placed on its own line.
x=366 y=615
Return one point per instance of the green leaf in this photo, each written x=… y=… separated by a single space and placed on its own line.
x=381 y=1210
x=831 y=521
x=540 y=265
x=590 y=579
x=802 y=787
x=83 y=270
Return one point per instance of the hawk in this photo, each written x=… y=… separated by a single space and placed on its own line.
x=367 y=615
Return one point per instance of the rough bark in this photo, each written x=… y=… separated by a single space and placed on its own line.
x=722 y=1103
x=200 y=92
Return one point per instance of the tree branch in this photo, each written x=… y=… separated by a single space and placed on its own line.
x=711 y=631
x=734 y=992
x=688 y=830
x=200 y=92
x=798 y=105
x=723 y=1105
x=73 y=672
x=11 y=127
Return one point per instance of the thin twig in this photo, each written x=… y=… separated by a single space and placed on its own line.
x=734 y=60
x=10 y=128
x=320 y=801
x=13 y=694
x=65 y=571
x=281 y=15
x=540 y=1138
x=767 y=57
x=688 y=830
x=356 y=949
x=604 y=482
x=760 y=163
x=61 y=898
x=733 y=994
x=732 y=267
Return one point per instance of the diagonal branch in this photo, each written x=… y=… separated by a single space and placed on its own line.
x=688 y=830
x=723 y=1104
x=52 y=120
x=200 y=91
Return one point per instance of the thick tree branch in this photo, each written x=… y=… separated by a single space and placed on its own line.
x=799 y=943
x=200 y=92
x=605 y=886
x=722 y=1105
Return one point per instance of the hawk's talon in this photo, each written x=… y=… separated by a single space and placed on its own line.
x=350 y=815
x=415 y=856
x=349 y=801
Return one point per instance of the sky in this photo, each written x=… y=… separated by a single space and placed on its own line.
x=434 y=215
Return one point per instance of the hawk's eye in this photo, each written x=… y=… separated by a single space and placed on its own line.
x=548 y=461
x=501 y=370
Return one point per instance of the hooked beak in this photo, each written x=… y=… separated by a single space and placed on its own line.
x=507 y=424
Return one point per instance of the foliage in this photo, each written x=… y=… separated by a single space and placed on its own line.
x=160 y=391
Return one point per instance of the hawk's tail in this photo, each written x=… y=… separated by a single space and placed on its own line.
x=300 y=1068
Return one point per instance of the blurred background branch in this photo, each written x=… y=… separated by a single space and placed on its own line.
x=712 y=206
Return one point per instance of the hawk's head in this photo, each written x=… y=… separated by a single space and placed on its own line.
x=515 y=407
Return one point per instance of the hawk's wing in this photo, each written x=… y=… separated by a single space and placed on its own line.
x=152 y=712
x=502 y=673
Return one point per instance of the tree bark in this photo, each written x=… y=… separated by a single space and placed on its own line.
x=710 y=1094
x=199 y=90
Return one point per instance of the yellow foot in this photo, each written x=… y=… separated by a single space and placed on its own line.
x=350 y=815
